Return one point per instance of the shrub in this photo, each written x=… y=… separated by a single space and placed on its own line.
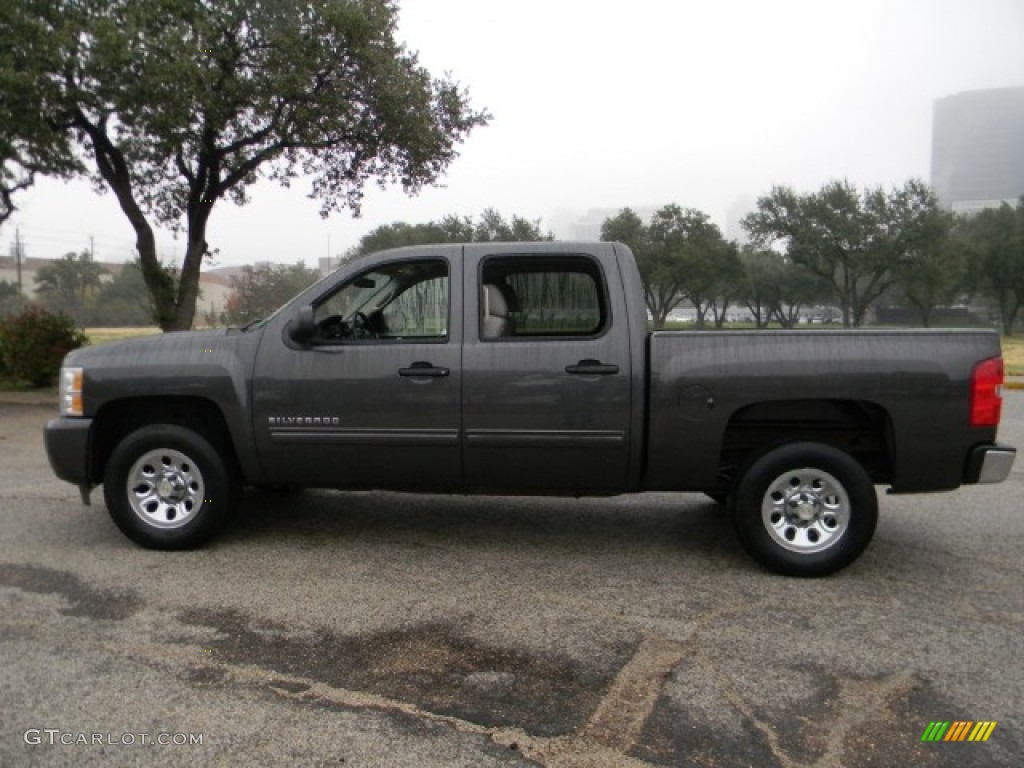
x=33 y=343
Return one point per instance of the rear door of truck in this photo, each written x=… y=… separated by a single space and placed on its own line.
x=547 y=372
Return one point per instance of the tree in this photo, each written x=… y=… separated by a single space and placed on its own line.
x=728 y=285
x=680 y=254
x=934 y=273
x=123 y=300
x=70 y=284
x=994 y=243
x=855 y=240
x=10 y=298
x=490 y=228
x=28 y=144
x=760 y=285
x=774 y=288
x=180 y=104
x=260 y=290
x=662 y=285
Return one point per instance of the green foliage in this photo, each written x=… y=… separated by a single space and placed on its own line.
x=33 y=344
x=28 y=144
x=680 y=254
x=859 y=241
x=490 y=228
x=993 y=241
x=933 y=273
x=182 y=103
x=123 y=300
x=70 y=285
x=10 y=298
x=774 y=288
x=260 y=290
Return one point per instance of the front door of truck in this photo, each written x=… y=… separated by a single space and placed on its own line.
x=372 y=399
x=547 y=398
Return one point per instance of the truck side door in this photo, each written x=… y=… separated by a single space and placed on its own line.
x=546 y=367
x=373 y=399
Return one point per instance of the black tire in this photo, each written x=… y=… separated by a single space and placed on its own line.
x=167 y=487
x=805 y=509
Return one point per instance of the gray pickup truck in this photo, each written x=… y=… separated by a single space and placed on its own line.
x=528 y=368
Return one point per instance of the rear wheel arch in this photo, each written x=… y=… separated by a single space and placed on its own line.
x=861 y=429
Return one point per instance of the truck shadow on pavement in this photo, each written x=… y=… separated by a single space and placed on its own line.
x=688 y=525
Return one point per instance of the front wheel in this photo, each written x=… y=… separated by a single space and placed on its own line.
x=805 y=509
x=167 y=487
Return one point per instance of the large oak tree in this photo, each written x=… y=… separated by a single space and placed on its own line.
x=860 y=241
x=491 y=227
x=681 y=255
x=175 y=105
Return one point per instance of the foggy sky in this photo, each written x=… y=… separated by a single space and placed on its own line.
x=600 y=104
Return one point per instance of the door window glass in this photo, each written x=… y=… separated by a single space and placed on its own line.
x=527 y=297
x=402 y=301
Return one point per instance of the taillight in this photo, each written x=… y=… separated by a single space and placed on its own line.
x=987 y=392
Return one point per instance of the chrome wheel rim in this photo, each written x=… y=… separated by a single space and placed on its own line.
x=805 y=510
x=165 y=488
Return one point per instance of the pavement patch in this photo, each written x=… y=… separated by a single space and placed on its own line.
x=110 y=605
x=431 y=666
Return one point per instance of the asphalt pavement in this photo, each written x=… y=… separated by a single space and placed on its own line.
x=380 y=629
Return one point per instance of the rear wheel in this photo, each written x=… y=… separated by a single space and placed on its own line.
x=805 y=509
x=167 y=487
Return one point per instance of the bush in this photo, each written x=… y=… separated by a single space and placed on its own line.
x=33 y=343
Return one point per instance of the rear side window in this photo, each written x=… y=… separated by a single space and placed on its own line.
x=531 y=297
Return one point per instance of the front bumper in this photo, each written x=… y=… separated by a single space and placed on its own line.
x=67 y=448
x=989 y=464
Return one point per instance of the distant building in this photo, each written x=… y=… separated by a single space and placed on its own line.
x=978 y=149
x=214 y=285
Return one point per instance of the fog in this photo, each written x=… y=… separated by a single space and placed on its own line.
x=605 y=105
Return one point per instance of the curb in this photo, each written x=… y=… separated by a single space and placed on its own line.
x=40 y=398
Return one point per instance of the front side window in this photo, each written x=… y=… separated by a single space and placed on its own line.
x=402 y=301
x=536 y=297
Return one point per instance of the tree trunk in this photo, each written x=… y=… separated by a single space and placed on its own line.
x=156 y=277
x=188 y=285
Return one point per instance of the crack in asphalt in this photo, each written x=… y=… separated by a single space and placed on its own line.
x=620 y=716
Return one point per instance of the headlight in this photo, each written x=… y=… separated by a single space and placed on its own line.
x=71 y=380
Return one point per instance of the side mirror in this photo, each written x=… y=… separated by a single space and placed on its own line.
x=301 y=327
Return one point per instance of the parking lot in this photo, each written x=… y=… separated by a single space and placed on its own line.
x=378 y=629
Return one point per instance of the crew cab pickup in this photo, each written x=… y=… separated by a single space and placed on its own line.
x=528 y=368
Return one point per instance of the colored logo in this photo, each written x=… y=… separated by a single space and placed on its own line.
x=958 y=730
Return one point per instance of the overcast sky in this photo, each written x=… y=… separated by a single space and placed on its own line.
x=600 y=104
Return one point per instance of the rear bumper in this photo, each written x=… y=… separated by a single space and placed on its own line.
x=67 y=448
x=989 y=464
